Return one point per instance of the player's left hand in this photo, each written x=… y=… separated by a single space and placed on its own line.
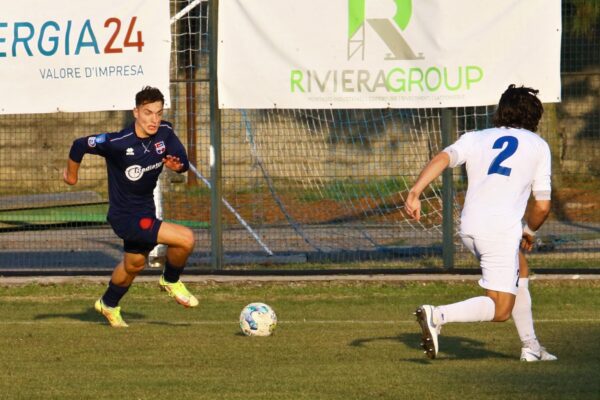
x=173 y=163
x=527 y=242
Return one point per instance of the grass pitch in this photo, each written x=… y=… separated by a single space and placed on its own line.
x=335 y=340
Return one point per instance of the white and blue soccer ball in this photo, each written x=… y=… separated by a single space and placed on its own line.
x=258 y=319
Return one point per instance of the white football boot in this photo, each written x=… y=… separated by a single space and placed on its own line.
x=529 y=355
x=430 y=331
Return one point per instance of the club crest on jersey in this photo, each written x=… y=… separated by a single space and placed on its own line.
x=160 y=147
x=92 y=140
x=129 y=151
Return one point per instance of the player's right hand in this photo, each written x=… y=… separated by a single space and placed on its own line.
x=412 y=206
x=69 y=180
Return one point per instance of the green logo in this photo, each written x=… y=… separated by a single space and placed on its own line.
x=388 y=30
x=386 y=81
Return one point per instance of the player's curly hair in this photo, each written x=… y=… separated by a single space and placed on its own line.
x=148 y=94
x=519 y=107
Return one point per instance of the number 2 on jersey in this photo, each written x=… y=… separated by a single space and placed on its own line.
x=496 y=165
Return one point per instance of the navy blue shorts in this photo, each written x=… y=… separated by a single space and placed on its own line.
x=139 y=233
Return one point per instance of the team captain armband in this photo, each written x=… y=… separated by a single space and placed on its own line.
x=541 y=194
x=453 y=156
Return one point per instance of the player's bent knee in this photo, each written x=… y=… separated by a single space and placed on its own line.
x=501 y=316
x=135 y=266
x=134 y=269
x=188 y=241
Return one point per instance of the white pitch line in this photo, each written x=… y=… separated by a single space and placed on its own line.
x=21 y=280
x=290 y=322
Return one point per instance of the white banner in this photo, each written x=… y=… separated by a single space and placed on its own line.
x=84 y=55
x=385 y=53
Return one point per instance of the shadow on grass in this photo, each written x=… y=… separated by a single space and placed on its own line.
x=91 y=315
x=451 y=347
x=162 y=323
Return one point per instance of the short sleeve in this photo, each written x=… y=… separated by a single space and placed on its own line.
x=175 y=148
x=459 y=150
x=95 y=144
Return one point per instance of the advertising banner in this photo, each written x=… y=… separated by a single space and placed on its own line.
x=385 y=53
x=69 y=56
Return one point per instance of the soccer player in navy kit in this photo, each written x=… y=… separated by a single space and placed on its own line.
x=135 y=158
x=505 y=164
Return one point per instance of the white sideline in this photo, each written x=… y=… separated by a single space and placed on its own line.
x=19 y=280
x=280 y=322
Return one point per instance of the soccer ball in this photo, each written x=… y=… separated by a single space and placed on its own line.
x=257 y=319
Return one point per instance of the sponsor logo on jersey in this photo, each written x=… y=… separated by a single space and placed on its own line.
x=92 y=141
x=135 y=172
x=160 y=147
x=129 y=151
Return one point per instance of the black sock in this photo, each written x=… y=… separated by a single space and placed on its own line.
x=171 y=273
x=113 y=294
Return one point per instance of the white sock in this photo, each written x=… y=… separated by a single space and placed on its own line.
x=523 y=316
x=476 y=309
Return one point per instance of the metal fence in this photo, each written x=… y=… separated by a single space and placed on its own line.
x=301 y=189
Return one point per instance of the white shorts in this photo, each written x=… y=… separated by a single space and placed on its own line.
x=499 y=260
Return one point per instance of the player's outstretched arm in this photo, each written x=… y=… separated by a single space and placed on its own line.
x=81 y=146
x=70 y=173
x=431 y=171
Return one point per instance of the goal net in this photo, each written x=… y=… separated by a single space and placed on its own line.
x=332 y=183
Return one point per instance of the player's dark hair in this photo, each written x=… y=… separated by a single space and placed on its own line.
x=519 y=107
x=147 y=95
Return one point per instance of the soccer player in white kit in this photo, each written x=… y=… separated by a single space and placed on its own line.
x=504 y=165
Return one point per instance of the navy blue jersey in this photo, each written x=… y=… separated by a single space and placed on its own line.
x=133 y=165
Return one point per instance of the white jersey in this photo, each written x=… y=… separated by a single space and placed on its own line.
x=503 y=166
